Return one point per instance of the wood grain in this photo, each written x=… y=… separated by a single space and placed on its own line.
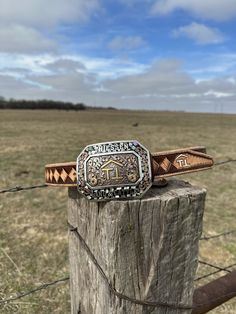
x=147 y=248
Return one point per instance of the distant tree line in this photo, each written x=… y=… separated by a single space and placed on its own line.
x=44 y=104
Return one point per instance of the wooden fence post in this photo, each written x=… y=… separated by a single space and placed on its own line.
x=147 y=249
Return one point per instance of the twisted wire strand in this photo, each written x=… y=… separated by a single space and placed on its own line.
x=214 y=272
x=224 y=162
x=214 y=266
x=43 y=286
x=153 y=304
x=218 y=235
x=22 y=188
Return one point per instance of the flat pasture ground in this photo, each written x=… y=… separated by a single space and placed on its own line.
x=33 y=224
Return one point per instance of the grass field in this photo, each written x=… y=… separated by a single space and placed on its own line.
x=33 y=230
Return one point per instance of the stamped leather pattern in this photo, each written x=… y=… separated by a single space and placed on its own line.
x=164 y=164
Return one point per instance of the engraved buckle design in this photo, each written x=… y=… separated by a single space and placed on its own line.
x=114 y=170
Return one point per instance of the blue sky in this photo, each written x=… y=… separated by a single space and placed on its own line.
x=150 y=54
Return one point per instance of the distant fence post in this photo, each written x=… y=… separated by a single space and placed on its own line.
x=147 y=249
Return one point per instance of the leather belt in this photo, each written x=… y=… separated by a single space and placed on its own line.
x=109 y=170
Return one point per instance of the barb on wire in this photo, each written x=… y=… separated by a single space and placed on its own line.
x=218 y=235
x=214 y=272
x=224 y=162
x=214 y=266
x=23 y=188
x=24 y=294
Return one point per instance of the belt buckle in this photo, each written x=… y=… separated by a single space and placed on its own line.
x=114 y=170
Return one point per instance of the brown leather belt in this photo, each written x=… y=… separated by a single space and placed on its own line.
x=164 y=164
x=113 y=166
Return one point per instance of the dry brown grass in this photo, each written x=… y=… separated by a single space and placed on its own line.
x=33 y=232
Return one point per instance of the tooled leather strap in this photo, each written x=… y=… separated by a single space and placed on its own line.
x=61 y=174
x=180 y=161
x=168 y=163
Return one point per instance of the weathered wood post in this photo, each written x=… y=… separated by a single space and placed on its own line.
x=147 y=249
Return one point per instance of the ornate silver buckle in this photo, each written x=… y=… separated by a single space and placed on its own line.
x=114 y=170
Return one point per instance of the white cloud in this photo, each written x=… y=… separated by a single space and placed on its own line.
x=217 y=94
x=46 y=13
x=74 y=84
x=33 y=64
x=25 y=24
x=43 y=64
x=200 y=33
x=218 y=10
x=164 y=85
x=12 y=87
x=22 y=39
x=161 y=78
x=126 y=43
x=64 y=65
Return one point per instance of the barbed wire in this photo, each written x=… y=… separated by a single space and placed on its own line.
x=110 y=286
x=214 y=272
x=20 y=188
x=61 y=280
x=218 y=235
x=214 y=266
x=43 y=286
x=133 y=300
x=58 y=281
x=224 y=162
x=112 y=289
x=23 y=188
